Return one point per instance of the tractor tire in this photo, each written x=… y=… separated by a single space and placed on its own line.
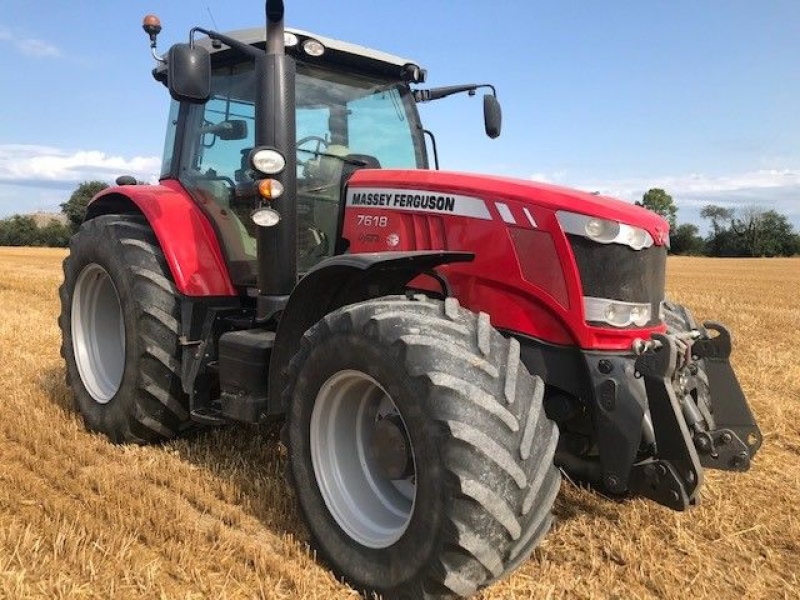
x=120 y=324
x=419 y=449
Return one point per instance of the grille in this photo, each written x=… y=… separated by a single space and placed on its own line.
x=620 y=273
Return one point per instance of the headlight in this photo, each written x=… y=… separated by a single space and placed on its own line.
x=267 y=161
x=265 y=217
x=313 y=47
x=289 y=40
x=616 y=312
x=604 y=231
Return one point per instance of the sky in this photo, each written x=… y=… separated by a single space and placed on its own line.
x=699 y=97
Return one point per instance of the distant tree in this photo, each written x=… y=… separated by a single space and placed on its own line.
x=718 y=216
x=751 y=231
x=660 y=202
x=794 y=245
x=19 y=231
x=22 y=230
x=778 y=237
x=763 y=233
x=685 y=239
x=55 y=234
x=722 y=241
x=75 y=207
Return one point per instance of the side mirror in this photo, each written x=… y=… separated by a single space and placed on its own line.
x=189 y=73
x=235 y=129
x=492 y=116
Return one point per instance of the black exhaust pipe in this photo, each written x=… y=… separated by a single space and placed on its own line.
x=275 y=128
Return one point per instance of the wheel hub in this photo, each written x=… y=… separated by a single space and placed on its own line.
x=363 y=459
x=98 y=333
x=390 y=449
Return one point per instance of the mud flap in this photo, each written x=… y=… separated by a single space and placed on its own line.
x=737 y=438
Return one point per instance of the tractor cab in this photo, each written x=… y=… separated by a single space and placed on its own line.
x=354 y=109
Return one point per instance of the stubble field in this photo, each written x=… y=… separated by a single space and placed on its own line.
x=210 y=517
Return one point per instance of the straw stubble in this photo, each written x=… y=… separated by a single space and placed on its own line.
x=211 y=516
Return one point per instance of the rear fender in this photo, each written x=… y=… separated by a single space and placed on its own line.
x=185 y=234
x=336 y=282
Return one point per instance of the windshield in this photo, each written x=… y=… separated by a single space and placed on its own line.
x=341 y=117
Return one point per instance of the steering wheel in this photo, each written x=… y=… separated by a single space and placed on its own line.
x=212 y=175
x=321 y=141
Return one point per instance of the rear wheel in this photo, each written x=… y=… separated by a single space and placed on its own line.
x=418 y=446
x=120 y=327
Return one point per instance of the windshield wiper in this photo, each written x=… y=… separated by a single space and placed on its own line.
x=443 y=92
x=381 y=87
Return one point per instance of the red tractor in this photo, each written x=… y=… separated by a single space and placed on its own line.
x=440 y=344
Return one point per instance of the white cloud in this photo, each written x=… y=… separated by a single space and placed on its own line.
x=34 y=178
x=43 y=166
x=554 y=178
x=777 y=189
x=696 y=184
x=29 y=46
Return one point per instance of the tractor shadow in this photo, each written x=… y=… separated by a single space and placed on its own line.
x=581 y=500
x=252 y=461
x=244 y=464
x=52 y=382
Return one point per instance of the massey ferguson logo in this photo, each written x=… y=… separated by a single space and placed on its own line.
x=422 y=202
x=419 y=200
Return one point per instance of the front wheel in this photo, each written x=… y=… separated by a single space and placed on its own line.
x=419 y=448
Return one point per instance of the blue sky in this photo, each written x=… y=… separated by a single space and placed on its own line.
x=699 y=97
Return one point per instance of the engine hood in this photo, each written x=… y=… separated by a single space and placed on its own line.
x=529 y=193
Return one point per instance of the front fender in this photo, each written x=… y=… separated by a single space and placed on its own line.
x=336 y=282
x=186 y=236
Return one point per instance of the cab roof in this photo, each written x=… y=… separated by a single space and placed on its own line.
x=374 y=60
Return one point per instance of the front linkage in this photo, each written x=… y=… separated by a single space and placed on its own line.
x=707 y=424
x=681 y=387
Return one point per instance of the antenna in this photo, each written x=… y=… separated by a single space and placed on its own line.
x=213 y=20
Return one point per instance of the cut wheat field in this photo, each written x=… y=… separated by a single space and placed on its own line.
x=210 y=516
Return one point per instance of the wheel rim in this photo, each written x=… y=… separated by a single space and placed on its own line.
x=98 y=333
x=371 y=507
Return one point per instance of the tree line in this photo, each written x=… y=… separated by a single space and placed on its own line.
x=22 y=230
x=745 y=232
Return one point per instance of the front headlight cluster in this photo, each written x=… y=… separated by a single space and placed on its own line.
x=604 y=231
x=616 y=312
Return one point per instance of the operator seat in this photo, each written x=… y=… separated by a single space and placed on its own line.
x=369 y=162
x=319 y=205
